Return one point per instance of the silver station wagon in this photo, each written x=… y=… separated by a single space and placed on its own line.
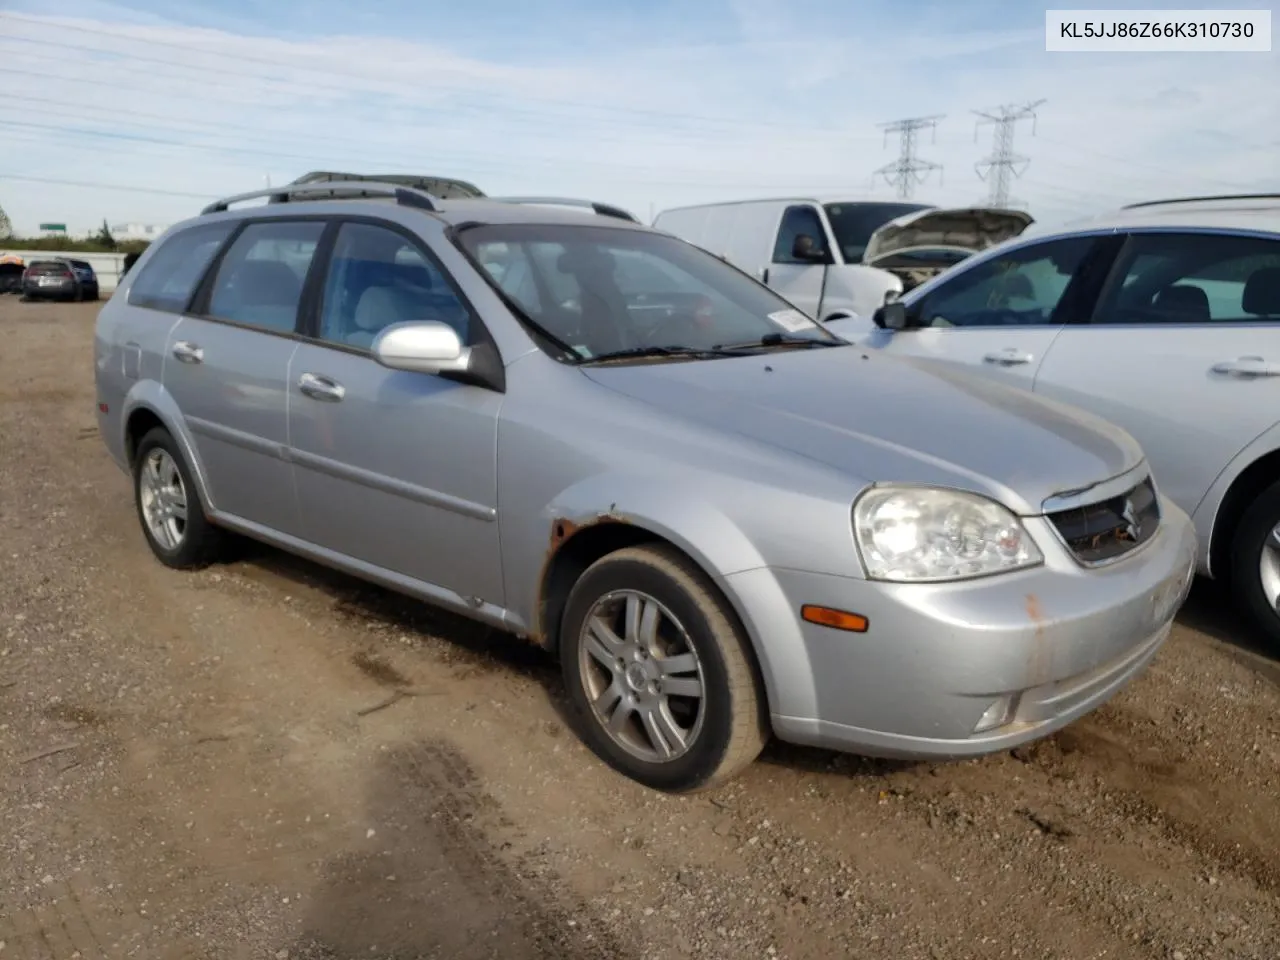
x=725 y=521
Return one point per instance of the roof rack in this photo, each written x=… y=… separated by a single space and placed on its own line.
x=406 y=196
x=446 y=188
x=603 y=209
x=1225 y=196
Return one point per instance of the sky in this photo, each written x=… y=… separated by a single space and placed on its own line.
x=142 y=110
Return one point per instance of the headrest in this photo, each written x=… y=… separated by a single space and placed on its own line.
x=1262 y=292
x=267 y=283
x=1187 y=302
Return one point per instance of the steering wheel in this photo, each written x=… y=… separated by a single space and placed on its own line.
x=698 y=317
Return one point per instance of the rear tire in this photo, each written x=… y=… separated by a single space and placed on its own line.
x=1255 y=564
x=169 y=506
x=646 y=634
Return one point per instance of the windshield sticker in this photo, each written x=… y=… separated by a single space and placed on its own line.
x=792 y=321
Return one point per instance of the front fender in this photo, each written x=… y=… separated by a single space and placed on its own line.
x=857 y=289
x=696 y=526
x=151 y=396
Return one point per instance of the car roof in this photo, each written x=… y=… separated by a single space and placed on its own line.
x=819 y=200
x=1257 y=212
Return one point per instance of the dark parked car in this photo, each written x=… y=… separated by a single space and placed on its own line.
x=59 y=280
x=88 y=279
x=11 y=271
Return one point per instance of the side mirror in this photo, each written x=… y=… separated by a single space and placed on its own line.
x=891 y=316
x=806 y=248
x=426 y=347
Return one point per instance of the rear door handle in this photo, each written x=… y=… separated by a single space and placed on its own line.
x=1247 y=368
x=321 y=388
x=1008 y=357
x=188 y=352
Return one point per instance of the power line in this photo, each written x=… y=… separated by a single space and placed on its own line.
x=611 y=110
x=1003 y=162
x=908 y=169
x=106 y=186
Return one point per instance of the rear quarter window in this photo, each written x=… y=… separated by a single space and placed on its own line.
x=168 y=279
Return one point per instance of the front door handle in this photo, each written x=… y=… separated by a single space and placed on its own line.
x=763 y=274
x=1008 y=357
x=1247 y=368
x=188 y=352
x=321 y=388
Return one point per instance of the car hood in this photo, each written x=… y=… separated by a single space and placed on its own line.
x=889 y=419
x=968 y=228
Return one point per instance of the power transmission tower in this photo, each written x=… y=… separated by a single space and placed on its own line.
x=908 y=170
x=1003 y=164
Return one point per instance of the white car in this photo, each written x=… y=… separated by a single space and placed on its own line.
x=1163 y=318
x=840 y=258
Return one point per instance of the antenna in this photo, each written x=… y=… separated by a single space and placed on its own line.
x=1005 y=164
x=908 y=170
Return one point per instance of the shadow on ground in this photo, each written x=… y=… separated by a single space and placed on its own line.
x=1209 y=610
x=433 y=880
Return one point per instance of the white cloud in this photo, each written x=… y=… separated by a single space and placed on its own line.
x=652 y=123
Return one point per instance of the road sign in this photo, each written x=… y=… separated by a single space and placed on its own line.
x=53 y=228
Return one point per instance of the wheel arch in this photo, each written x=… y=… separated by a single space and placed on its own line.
x=1244 y=489
x=576 y=545
x=149 y=405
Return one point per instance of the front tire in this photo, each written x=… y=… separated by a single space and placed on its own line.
x=659 y=673
x=169 y=506
x=1255 y=564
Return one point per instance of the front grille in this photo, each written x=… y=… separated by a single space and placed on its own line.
x=1111 y=528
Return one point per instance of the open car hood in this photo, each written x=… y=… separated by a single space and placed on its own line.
x=948 y=232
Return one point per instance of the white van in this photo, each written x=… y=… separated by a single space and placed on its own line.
x=840 y=258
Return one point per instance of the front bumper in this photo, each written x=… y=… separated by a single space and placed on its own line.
x=1034 y=649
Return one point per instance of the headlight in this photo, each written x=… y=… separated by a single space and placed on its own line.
x=911 y=534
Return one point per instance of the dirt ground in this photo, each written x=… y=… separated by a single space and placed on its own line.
x=192 y=767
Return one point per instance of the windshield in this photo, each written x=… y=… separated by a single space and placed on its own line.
x=854 y=223
x=603 y=290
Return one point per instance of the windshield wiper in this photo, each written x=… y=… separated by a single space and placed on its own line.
x=640 y=353
x=779 y=340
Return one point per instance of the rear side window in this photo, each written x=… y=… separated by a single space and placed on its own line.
x=170 y=276
x=259 y=280
x=1165 y=278
x=378 y=277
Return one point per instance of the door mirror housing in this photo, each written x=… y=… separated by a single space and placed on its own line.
x=807 y=249
x=422 y=347
x=892 y=316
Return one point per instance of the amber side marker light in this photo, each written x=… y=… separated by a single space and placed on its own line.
x=829 y=617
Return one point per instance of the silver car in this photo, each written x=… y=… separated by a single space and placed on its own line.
x=1164 y=318
x=725 y=521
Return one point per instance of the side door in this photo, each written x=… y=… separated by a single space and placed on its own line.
x=1000 y=316
x=1182 y=350
x=227 y=366
x=394 y=469
x=798 y=280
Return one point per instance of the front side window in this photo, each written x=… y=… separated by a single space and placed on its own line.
x=1194 y=278
x=259 y=281
x=378 y=277
x=171 y=274
x=798 y=221
x=854 y=223
x=602 y=290
x=1024 y=287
